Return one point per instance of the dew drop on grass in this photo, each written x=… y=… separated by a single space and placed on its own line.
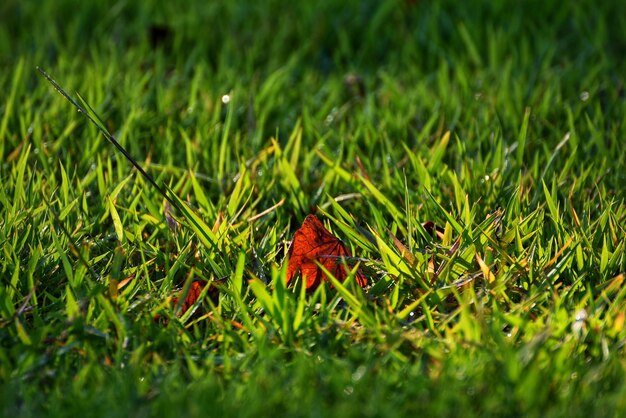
x=226 y=99
x=581 y=315
x=579 y=321
x=358 y=373
x=330 y=118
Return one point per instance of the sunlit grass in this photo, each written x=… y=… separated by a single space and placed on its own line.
x=470 y=156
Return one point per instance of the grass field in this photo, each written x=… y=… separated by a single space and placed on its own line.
x=503 y=123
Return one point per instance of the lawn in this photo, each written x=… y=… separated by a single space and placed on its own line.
x=470 y=155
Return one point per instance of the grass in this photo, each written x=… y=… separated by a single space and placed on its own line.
x=502 y=124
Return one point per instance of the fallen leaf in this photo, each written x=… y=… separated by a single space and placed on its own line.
x=313 y=244
x=404 y=251
x=195 y=290
x=192 y=297
x=431 y=228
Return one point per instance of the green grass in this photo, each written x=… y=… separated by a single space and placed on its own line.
x=503 y=124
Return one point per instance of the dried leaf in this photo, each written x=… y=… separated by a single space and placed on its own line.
x=313 y=244
x=404 y=251
x=488 y=275
x=195 y=290
x=192 y=296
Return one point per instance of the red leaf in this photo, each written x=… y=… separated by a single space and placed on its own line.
x=195 y=290
x=192 y=296
x=313 y=243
